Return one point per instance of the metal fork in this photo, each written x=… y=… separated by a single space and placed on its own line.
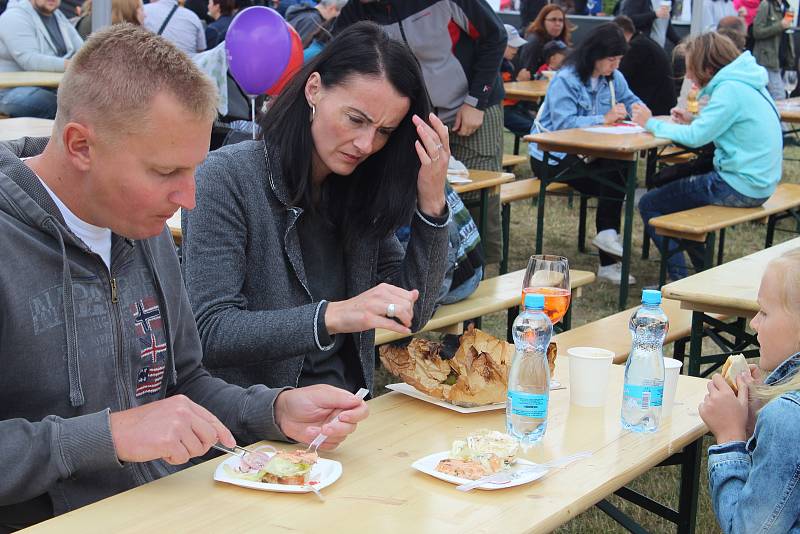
x=320 y=439
x=236 y=450
x=506 y=477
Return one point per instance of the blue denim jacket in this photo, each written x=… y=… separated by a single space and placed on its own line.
x=570 y=103
x=755 y=485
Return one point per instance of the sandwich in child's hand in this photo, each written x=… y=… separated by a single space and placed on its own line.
x=734 y=366
x=484 y=452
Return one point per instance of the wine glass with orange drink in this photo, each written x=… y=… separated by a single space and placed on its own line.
x=549 y=276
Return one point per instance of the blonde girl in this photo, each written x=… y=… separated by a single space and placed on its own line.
x=754 y=469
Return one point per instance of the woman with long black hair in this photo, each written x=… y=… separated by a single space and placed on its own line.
x=290 y=257
x=590 y=91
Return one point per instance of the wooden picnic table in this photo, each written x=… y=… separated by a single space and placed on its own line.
x=379 y=491
x=531 y=90
x=24 y=127
x=789 y=109
x=492 y=295
x=730 y=289
x=625 y=149
x=30 y=79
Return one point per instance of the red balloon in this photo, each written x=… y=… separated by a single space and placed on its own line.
x=294 y=65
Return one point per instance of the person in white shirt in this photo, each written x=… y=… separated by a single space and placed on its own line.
x=183 y=28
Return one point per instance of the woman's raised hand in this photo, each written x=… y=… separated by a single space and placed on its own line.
x=383 y=306
x=433 y=150
x=615 y=114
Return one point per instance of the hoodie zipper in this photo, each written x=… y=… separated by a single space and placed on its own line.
x=123 y=395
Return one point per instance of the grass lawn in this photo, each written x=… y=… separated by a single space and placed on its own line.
x=599 y=300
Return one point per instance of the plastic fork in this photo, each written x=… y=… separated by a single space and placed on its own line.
x=504 y=477
x=320 y=439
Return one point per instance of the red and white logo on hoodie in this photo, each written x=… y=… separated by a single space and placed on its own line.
x=152 y=346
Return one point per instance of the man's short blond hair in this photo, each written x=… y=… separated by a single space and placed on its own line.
x=113 y=79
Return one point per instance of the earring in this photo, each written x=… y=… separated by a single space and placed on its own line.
x=313 y=112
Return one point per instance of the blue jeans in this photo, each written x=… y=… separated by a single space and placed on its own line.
x=686 y=193
x=28 y=102
x=517 y=119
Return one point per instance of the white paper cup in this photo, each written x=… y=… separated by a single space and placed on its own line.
x=588 y=375
x=672 y=368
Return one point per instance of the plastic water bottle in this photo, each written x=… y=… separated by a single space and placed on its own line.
x=644 y=372
x=529 y=378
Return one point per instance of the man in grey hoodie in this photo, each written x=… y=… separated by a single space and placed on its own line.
x=102 y=387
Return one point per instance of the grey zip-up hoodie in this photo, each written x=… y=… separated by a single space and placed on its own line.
x=78 y=342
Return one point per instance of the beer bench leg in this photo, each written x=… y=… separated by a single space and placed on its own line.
x=685 y=518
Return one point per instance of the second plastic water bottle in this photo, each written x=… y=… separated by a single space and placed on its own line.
x=529 y=378
x=644 y=372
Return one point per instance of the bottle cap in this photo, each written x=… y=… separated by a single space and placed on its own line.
x=534 y=301
x=651 y=296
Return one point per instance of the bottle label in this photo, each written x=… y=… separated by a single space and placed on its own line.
x=528 y=404
x=646 y=396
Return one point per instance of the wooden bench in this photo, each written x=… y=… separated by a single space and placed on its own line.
x=512 y=160
x=612 y=332
x=701 y=224
x=675 y=154
x=492 y=295
x=519 y=190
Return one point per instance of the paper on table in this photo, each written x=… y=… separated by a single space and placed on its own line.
x=458 y=179
x=616 y=130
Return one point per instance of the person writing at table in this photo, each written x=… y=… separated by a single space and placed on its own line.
x=103 y=387
x=290 y=256
x=739 y=109
x=589 y=90
x=753 y=467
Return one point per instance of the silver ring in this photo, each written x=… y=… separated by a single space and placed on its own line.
x=439 y=146
x=390 y=309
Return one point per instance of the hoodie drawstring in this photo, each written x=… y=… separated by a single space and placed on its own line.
x=76 y=397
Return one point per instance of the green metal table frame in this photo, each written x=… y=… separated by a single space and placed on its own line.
x=629 y=170
x=685 y=517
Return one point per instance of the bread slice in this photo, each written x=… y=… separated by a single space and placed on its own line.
x=292 y=467
x=735 y=365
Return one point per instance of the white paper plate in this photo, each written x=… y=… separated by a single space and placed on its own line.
x=428 y=465
x=325 y=472
x=411 y=391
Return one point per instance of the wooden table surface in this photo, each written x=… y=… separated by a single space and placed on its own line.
x=530 y=90
x=484 y=180
x=24 y=127
x=380 y=492
x=730 y=288
x=789 y=109
x=30 y=78
x=601 y=145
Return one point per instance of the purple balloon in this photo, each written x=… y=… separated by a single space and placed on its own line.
x=258 y=46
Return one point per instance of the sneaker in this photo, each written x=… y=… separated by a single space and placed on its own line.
x=613 y=273
x=608 y=242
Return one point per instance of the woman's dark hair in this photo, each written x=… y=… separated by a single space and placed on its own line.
x=606 y=40
x=226 y=7
x=381 y=193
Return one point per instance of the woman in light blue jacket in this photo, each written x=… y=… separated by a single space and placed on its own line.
x=590 y=91
x=739 y=110
x=754 y=467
